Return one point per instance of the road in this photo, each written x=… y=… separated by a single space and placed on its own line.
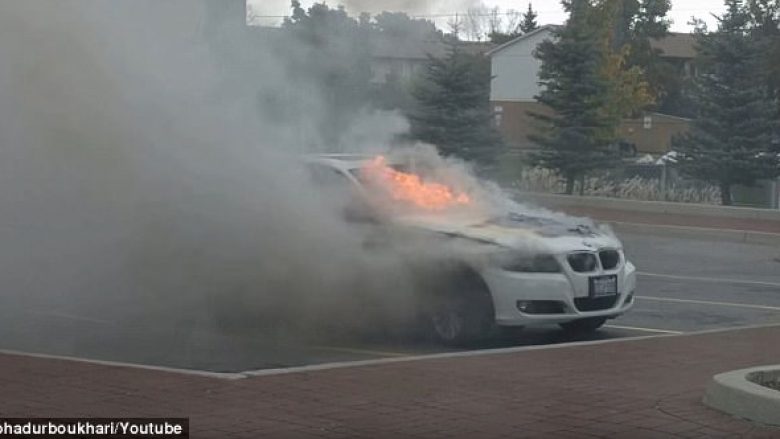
x=693 y=285
x=685 y=285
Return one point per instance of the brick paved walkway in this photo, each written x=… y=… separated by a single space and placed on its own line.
x=630 y=388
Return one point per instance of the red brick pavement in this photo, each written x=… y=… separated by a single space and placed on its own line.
x=645 y=388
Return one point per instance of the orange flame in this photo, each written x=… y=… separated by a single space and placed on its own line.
x=410 y=187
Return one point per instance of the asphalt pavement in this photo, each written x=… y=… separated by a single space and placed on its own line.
x=684 y=285
x=692 y=285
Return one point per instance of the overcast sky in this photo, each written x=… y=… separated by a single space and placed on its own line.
x=550 y=11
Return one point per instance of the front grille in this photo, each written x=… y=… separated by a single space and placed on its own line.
x=595 y=304
x=582 y=262
x=609 y=259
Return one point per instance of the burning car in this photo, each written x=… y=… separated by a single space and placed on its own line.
x=482 y=265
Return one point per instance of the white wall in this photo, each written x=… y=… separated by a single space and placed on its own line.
x=515 y=70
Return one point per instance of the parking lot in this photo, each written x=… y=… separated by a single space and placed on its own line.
x=685 y=285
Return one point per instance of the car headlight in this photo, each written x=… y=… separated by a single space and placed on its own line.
x=527 y=263
x=582 y=262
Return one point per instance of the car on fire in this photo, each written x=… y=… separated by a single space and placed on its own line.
x=484 y=271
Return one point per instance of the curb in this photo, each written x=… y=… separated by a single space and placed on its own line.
x=693 y=209
x=730 y=235
x=488 y=352
x=733 y=393
x=443 y=356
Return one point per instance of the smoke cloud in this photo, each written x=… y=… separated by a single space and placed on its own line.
x=141 y=180
x=151 y=175
x=430 y=7
x=354 y=7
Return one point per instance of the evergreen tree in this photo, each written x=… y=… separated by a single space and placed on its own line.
x=574 y=140
x=650 y=23
x=765 y=22
x=730 y=141
x=529 y=23
x=517 y=25
x=630 y=92
x=633 y=25
x=667 y=83
x=453 y=108
x=401 y=25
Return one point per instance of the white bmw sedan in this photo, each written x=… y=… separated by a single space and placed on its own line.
x=505 y=271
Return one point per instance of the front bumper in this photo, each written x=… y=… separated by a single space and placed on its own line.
x=568 y=290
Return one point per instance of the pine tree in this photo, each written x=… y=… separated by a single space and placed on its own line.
x=630 y=91
x=520 y=24
x=575 y=139
x=730 y=141
x=633 y=25
x=765 y=23
x=453 y=110
x=529 y=23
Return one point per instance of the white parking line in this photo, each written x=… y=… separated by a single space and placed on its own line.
x=634 y=328
x=67 y=316
x=707 y=302
x=711 y=279
x=362 y=351
x=205 y=373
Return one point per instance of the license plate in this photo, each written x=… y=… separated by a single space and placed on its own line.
x=601 y=286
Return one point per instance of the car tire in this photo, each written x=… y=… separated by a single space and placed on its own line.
x=463 y=315
x=584 y=326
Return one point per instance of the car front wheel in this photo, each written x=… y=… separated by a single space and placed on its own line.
x=457 y=321
x=449 y=321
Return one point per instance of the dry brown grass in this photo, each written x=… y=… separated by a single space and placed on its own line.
x=545 y=180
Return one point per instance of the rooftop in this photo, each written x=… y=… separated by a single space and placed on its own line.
x=403 y=48
x=674 y=45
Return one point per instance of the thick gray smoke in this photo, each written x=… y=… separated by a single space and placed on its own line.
x=429 y=7
x=412 y=7
x=151 y=181
x=139 y=181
